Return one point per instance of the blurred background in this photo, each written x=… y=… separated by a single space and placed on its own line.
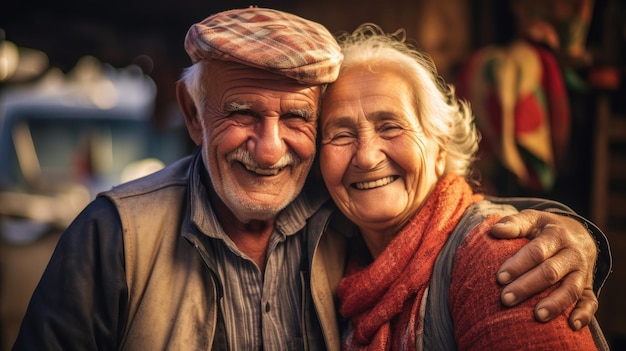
x=87 y=101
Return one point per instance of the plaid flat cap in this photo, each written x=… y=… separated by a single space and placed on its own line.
x=268 y=39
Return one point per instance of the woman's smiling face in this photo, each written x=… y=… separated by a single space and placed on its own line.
x=376 y=160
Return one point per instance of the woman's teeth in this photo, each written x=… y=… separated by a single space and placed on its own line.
x=374 y=184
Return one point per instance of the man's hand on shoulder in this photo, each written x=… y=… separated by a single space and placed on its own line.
x=560 y=250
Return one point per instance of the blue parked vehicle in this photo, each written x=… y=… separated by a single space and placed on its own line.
x=69 y=136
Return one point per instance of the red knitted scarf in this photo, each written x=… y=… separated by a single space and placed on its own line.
x=382 y=299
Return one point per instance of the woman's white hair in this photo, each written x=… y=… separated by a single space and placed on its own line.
x=441 y=114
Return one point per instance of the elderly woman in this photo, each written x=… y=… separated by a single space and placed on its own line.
x=396 y=154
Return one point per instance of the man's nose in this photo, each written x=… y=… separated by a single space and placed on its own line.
x=268 y=145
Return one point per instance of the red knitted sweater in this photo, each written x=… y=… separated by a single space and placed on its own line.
x=482 y=322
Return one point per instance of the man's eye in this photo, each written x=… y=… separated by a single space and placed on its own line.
x=294 y=116
x=242 y=113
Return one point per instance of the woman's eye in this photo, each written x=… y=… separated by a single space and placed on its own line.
x=390 y=130
x=340 y=139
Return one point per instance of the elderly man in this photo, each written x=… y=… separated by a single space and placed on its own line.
x=214 y=252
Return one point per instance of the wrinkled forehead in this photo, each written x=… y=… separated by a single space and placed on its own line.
x=234 y=83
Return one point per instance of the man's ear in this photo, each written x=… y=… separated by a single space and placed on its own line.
x=190 y=113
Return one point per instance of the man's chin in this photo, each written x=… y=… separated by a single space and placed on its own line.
x=257 y=206
x=246 y=214
x=254 y=201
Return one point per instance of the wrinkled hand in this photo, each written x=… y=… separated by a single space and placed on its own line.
x=561 y=250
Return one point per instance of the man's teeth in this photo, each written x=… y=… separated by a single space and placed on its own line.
x=374 y=183
x=263 y=171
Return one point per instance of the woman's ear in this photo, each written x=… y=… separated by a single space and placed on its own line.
x=190 y=113
x=440 y=164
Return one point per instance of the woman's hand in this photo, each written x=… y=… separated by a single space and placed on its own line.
x=561 y=250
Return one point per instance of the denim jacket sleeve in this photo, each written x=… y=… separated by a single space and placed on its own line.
x=80 y=301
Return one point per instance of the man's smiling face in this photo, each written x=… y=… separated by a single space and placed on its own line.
x=258 y=138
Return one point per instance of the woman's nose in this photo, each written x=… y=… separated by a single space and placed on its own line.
x=368 y=153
